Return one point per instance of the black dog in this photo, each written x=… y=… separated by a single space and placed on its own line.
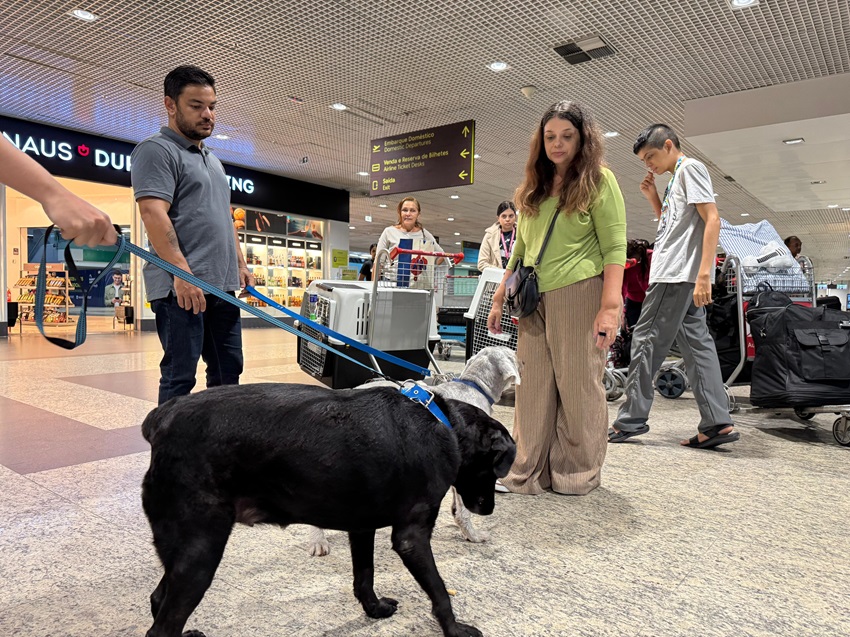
x=352 y=460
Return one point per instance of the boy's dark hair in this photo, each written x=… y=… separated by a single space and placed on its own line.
x=788 y=240
x=374 y=245
x=183 y=76
x=504 y=206
x=654 y=136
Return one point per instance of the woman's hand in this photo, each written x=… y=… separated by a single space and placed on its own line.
x=494 y=319
x=605 y=326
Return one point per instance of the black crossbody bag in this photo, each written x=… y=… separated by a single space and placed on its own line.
x=522 y=295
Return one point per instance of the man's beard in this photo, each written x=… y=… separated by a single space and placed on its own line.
x=188 y=131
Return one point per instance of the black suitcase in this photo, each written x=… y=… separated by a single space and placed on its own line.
x=832 y=302
x=802 y=356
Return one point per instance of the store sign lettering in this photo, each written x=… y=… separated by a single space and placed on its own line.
x=64 y=151
x=240 y=185
x=49 y=148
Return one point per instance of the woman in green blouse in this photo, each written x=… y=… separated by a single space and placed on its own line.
x=561 y=417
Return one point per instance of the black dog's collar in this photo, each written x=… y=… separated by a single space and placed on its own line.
x=474 y=385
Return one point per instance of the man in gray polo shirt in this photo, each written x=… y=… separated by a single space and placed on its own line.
x=184 y=202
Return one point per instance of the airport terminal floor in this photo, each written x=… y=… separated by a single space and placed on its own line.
x=745 y=540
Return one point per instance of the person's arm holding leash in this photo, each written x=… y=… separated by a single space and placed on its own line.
x=163 y=238
x=245 y=276
x=78 y=220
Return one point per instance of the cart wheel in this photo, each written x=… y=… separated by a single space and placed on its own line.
x=802 y=414
x=670 y=382
x=612 y=388
x=841 y=431
x=620 y=376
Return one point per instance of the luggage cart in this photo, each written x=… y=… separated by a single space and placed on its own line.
x=455 y=302
x=394 y=313
x=745 y=283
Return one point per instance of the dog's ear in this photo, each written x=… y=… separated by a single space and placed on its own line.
x=504 y=449
x=508 y=363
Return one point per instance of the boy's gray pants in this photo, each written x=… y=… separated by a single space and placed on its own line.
x=669 y=314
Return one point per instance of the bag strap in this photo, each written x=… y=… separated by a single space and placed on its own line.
x=548 y=235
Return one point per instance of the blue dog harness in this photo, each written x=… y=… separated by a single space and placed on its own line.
x=425 y=398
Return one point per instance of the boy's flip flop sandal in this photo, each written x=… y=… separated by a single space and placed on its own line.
x=712 y=442
x=622 y=436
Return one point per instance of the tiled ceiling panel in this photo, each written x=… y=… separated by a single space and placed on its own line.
x=402 y=65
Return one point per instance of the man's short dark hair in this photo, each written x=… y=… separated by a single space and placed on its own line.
x=184 y=76
x=654 y=136
x=788 y=240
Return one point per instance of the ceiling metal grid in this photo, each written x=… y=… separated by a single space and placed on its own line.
x=403 y=65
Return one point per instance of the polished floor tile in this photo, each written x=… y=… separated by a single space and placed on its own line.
x=742 y=541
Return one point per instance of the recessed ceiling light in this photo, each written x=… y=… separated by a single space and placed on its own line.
x=455 y=197
x=476 y=156
x=795 y=140
x=819 y=181
x=450 y=219
x=832 y=205
x=222 y=137
x=382 y=205
x=716 y=195
x=457 y=234
x=742 y=4
x=351 y=227
x=85 y=16
x=845 y=210
x=338 y=106
x=745 y=214
x=498 y=67
x=612 y=133
x=363 y=173
x=457 y=243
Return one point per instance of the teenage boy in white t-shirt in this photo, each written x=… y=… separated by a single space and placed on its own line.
x=679 y=290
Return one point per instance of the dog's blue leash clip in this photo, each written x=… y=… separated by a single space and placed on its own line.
x=425 y=398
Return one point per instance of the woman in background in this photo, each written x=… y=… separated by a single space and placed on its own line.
x=499 y=239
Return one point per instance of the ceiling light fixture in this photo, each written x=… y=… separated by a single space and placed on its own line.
x=363 y=173
x=450 y=219
x=382 y=205
x=457 y=234
x=82 y=14
x=832 y=205
x=454 y=197
x=498 y=67
x=612 y=133
x=457 y=243
x=742 y=4
x=339 y=106
x=222 y=137
x=845 y=210
x=795 y=140
x=819 y=181
x=351 y=227
x=745 y=214
x=476 y=156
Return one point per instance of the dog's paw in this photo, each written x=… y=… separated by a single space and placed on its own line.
x=385 y=607
x=319 y=549
x=474 y=535
x=465 y=630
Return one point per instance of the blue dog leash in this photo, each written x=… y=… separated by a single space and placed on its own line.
x=124 y=245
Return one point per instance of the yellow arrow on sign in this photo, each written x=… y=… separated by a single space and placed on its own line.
x=463 y=174
x=376 y=149
x=464 y=153
x=465 y=131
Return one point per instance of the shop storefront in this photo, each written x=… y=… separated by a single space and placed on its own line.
x=287 y=229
